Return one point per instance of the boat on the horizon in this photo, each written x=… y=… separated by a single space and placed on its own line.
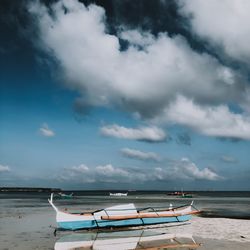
x=186 y=195
x=118 y=194
x=65 y=196
x=125 y=215
x=181 y=194
x=125 y=240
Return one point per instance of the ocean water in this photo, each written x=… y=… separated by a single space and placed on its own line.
x=213 y=204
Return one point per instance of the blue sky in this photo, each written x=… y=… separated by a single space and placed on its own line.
x=92 y=98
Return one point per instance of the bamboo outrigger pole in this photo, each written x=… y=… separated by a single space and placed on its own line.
x=145 y=215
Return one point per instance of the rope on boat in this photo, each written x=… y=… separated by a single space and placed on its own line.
x=192 y=205
x=138 y=242
x=96 y=221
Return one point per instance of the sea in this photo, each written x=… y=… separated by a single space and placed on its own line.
x=214 y=204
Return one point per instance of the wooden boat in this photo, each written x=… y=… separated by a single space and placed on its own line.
x=138 y=239
x=118 y=194
x=121 y=216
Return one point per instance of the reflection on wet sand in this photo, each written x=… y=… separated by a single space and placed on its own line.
x=137 y=239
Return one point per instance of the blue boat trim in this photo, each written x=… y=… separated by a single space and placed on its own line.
x=89 y=224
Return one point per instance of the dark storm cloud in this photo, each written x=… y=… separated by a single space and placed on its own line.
x=157 y=16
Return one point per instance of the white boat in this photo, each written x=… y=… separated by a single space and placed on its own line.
x=121 y=216
x=118 y=194
x=125 y=240
x=65 y=196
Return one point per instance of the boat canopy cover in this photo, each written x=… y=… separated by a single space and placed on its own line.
x=117 y=210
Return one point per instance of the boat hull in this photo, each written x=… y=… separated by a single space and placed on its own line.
x=91 y=224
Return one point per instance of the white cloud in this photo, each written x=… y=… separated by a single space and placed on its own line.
x=150 y=134
x=108 y=171
x=137 y=154
x=192 y=171
x=224 y=23
x=146 y=78
x=186 y=170
x=46 y=131
x=212 y=121
x=81 y=168
x=138 y=38
x=142 y=80
x=102 y=173
x=183 y=169
x=4 y=168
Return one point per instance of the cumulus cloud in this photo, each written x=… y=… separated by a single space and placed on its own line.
x=137 y=154
x=183 y=169
x=187 y=170
x=4 y=168
x=192 y=171
x=149 y=134
x=145 y=78
x=212 y=121
x=46 y=131
x=227 y=26
x=81 y=168
x=112 y=174
x=102 y=173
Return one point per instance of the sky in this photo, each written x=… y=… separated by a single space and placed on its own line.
x=125 y=94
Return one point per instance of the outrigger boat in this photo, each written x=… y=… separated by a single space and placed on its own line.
x=124 y=240
x=125 y=215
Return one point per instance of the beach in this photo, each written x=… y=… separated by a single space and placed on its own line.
x=29 y=222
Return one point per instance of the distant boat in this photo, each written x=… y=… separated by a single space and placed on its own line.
x=118 y=194
x=176 y=193
x=181 y=194
x=122 y=215
x=137 y=239
x=65 y=196
x=186 y=195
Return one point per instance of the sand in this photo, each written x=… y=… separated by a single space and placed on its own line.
x=33 y=228
x=217 y=228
